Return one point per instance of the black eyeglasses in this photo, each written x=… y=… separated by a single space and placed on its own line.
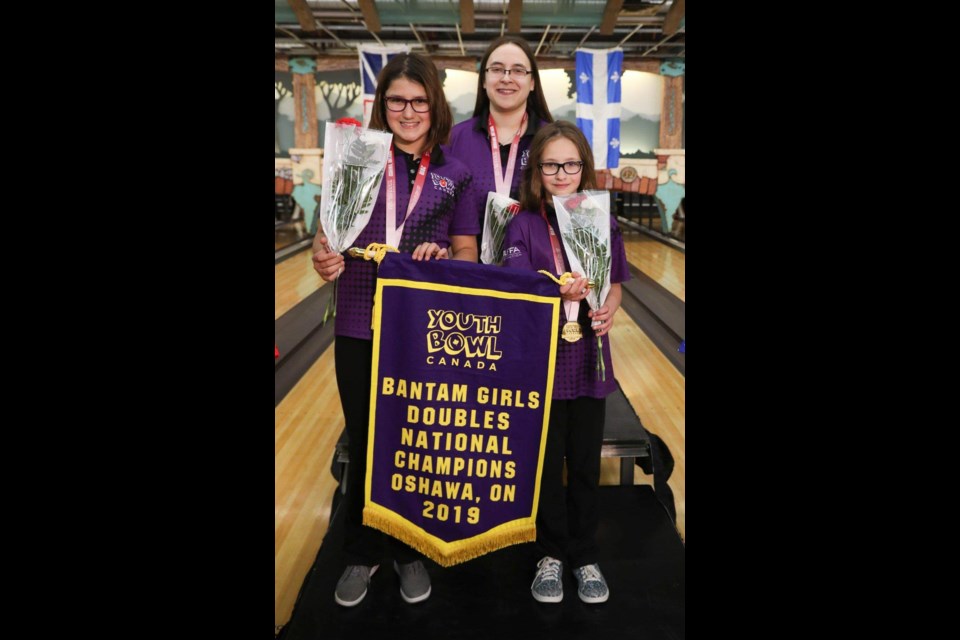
x=420 y=105
x=497 y=72
x=553 y=168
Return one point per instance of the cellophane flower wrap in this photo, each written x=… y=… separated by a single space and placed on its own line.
x=353 y=163
x=354 y=159
x=584 y=220
x=497 y=215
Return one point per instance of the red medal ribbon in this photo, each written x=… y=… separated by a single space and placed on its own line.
x=504 y=182
x=394 y=233
x=571 y=308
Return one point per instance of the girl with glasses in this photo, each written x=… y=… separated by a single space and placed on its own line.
x=510 y=107
x=430 y=214
x=561 y=164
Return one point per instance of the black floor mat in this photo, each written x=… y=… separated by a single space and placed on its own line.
x=489 y=598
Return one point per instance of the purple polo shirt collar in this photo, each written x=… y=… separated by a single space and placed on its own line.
x=533 y=122
x=436 y=155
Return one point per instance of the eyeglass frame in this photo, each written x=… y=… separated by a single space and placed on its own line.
x=508 y=72
x=579 y=164
x=387 y=99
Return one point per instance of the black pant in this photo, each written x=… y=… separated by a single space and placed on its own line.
x=567 y=518
x=362 y=545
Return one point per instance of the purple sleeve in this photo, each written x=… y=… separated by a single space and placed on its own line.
x=516 y=244
x=454 y=137
x=619 y=270
x=464 y=222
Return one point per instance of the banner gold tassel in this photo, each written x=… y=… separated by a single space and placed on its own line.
x=563 y=279
x=374 y=251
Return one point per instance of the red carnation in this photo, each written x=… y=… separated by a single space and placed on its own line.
x=574 y=202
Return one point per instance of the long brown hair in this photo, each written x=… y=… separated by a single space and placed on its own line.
x=536 y=101
x=531 y=187
x=421 y=70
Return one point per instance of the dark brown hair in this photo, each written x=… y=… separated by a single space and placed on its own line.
x=421 y=70
x=536 y=101
x=531 y=187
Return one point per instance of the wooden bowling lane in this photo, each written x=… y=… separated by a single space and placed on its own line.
x=665 y=264
x=294 y=279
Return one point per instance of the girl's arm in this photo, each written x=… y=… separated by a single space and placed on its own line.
x=463 y=248
x=327 y=263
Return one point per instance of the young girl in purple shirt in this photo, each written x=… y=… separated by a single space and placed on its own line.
x=561 y=163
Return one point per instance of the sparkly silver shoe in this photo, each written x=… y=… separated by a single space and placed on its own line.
x=591 y=586
x=548 y=584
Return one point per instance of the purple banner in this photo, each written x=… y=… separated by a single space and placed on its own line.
x=462 y=378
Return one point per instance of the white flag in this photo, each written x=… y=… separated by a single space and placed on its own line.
x=599 y=72
x=373 y=58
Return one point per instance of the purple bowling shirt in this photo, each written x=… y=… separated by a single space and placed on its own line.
x=446 y=208
x=526 y=245
x=470 y=142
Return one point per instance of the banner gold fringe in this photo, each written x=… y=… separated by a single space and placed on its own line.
x=484 y=543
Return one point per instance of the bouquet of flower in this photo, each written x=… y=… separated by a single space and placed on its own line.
x=353 y=162
x=498 y=214
x=584 y=220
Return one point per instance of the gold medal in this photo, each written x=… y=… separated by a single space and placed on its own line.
x=571 y=332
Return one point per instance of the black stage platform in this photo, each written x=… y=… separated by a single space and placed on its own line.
x=489 y=597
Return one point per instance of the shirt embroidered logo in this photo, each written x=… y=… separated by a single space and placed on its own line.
x=442 y=183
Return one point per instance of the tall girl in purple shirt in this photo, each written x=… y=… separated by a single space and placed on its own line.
x=510 y=107
x=561 y=163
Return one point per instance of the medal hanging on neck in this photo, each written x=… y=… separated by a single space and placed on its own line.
x=394 y=232
x=572 y=331
x=503 y=182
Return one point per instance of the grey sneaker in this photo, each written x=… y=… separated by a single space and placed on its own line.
x=414 y=581
x=591 y=586
x=547 y=584
x=352 y=586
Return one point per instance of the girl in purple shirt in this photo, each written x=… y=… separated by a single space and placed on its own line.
x=510 y=107
x=561 y=163
x=440 y=223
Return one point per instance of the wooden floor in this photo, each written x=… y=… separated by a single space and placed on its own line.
x=293 y=280
x=663 y=263
x=286 y=234
x=309 y=419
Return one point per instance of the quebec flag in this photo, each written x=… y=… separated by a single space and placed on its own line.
x=373 y=58
x=599 y=72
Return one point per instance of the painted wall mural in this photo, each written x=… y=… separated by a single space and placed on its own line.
x=283 y=113
x=307 y=183
x=640 y=114
x=338 y=92
x=671 y=187
x=337 y=96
